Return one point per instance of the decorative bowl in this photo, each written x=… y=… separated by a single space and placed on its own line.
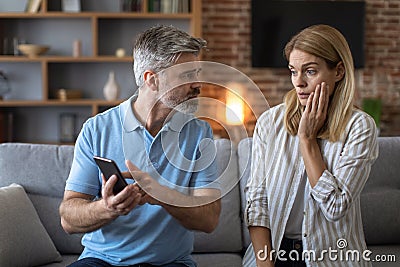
x=33 y=50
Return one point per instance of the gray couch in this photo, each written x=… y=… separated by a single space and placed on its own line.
x=42 y=170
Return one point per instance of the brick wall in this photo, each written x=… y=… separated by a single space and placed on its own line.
x=227 y=28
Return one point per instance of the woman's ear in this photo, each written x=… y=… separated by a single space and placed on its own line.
x=340 y=70
x=150 y=79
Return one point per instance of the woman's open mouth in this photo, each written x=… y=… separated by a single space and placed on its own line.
x=303 y=95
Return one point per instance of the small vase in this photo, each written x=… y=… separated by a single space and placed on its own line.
x=111 y=88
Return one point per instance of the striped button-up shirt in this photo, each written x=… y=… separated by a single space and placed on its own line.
x=332 y=231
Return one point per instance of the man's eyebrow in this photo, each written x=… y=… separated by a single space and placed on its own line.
x=191 y=71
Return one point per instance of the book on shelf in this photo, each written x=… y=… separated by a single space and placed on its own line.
x=132 y=5
x=137 y=5
x=6 y=126
x=33 y=6
x=169 y=6
x=184 y=6
x=154 y=6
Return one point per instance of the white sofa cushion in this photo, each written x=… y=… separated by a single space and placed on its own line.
x=24 y=240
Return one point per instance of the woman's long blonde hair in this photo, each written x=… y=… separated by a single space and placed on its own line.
x=329 y=44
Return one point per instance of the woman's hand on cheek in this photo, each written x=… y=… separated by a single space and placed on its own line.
x=315 y=112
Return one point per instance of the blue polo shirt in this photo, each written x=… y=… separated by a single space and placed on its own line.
x=181 y=157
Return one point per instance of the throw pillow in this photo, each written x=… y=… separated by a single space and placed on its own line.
x=24 y=240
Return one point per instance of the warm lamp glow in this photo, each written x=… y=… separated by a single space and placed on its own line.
x=234 y=112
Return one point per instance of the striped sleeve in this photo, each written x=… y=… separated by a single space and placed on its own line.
x=338 y=187
x=256 y=212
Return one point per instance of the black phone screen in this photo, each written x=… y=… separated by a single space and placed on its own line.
x=108 y=167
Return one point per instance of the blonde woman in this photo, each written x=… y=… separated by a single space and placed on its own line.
x=311 y=158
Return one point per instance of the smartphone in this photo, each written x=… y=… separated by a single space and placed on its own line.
x=108 y=167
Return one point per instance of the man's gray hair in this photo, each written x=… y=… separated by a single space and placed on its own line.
x=160 y=47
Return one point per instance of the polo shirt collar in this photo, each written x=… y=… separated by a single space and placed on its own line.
x=131 y=123
x=128 y=119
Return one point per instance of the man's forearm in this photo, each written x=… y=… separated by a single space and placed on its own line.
x=81 y=215
x=197 y=210
x=203 y=218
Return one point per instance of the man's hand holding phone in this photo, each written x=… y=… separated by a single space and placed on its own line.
x=118 y=196
x=123 y=202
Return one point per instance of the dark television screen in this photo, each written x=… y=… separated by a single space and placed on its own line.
x=275 y=22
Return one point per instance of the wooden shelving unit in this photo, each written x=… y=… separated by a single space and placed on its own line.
x=102 y=29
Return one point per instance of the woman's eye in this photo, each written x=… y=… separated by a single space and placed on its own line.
x=293 y=72
x=310 y=72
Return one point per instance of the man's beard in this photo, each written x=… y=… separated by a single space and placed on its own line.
x=188 y=106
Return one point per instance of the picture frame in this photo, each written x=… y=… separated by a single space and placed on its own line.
x=71 y=5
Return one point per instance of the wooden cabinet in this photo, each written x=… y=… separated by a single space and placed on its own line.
x=101 y=27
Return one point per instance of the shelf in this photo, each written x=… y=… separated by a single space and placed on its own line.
x=19 y=59
x=88 y=59
x=95 y=15
x=95 y=105
x=55 y=102
x=65 y=59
